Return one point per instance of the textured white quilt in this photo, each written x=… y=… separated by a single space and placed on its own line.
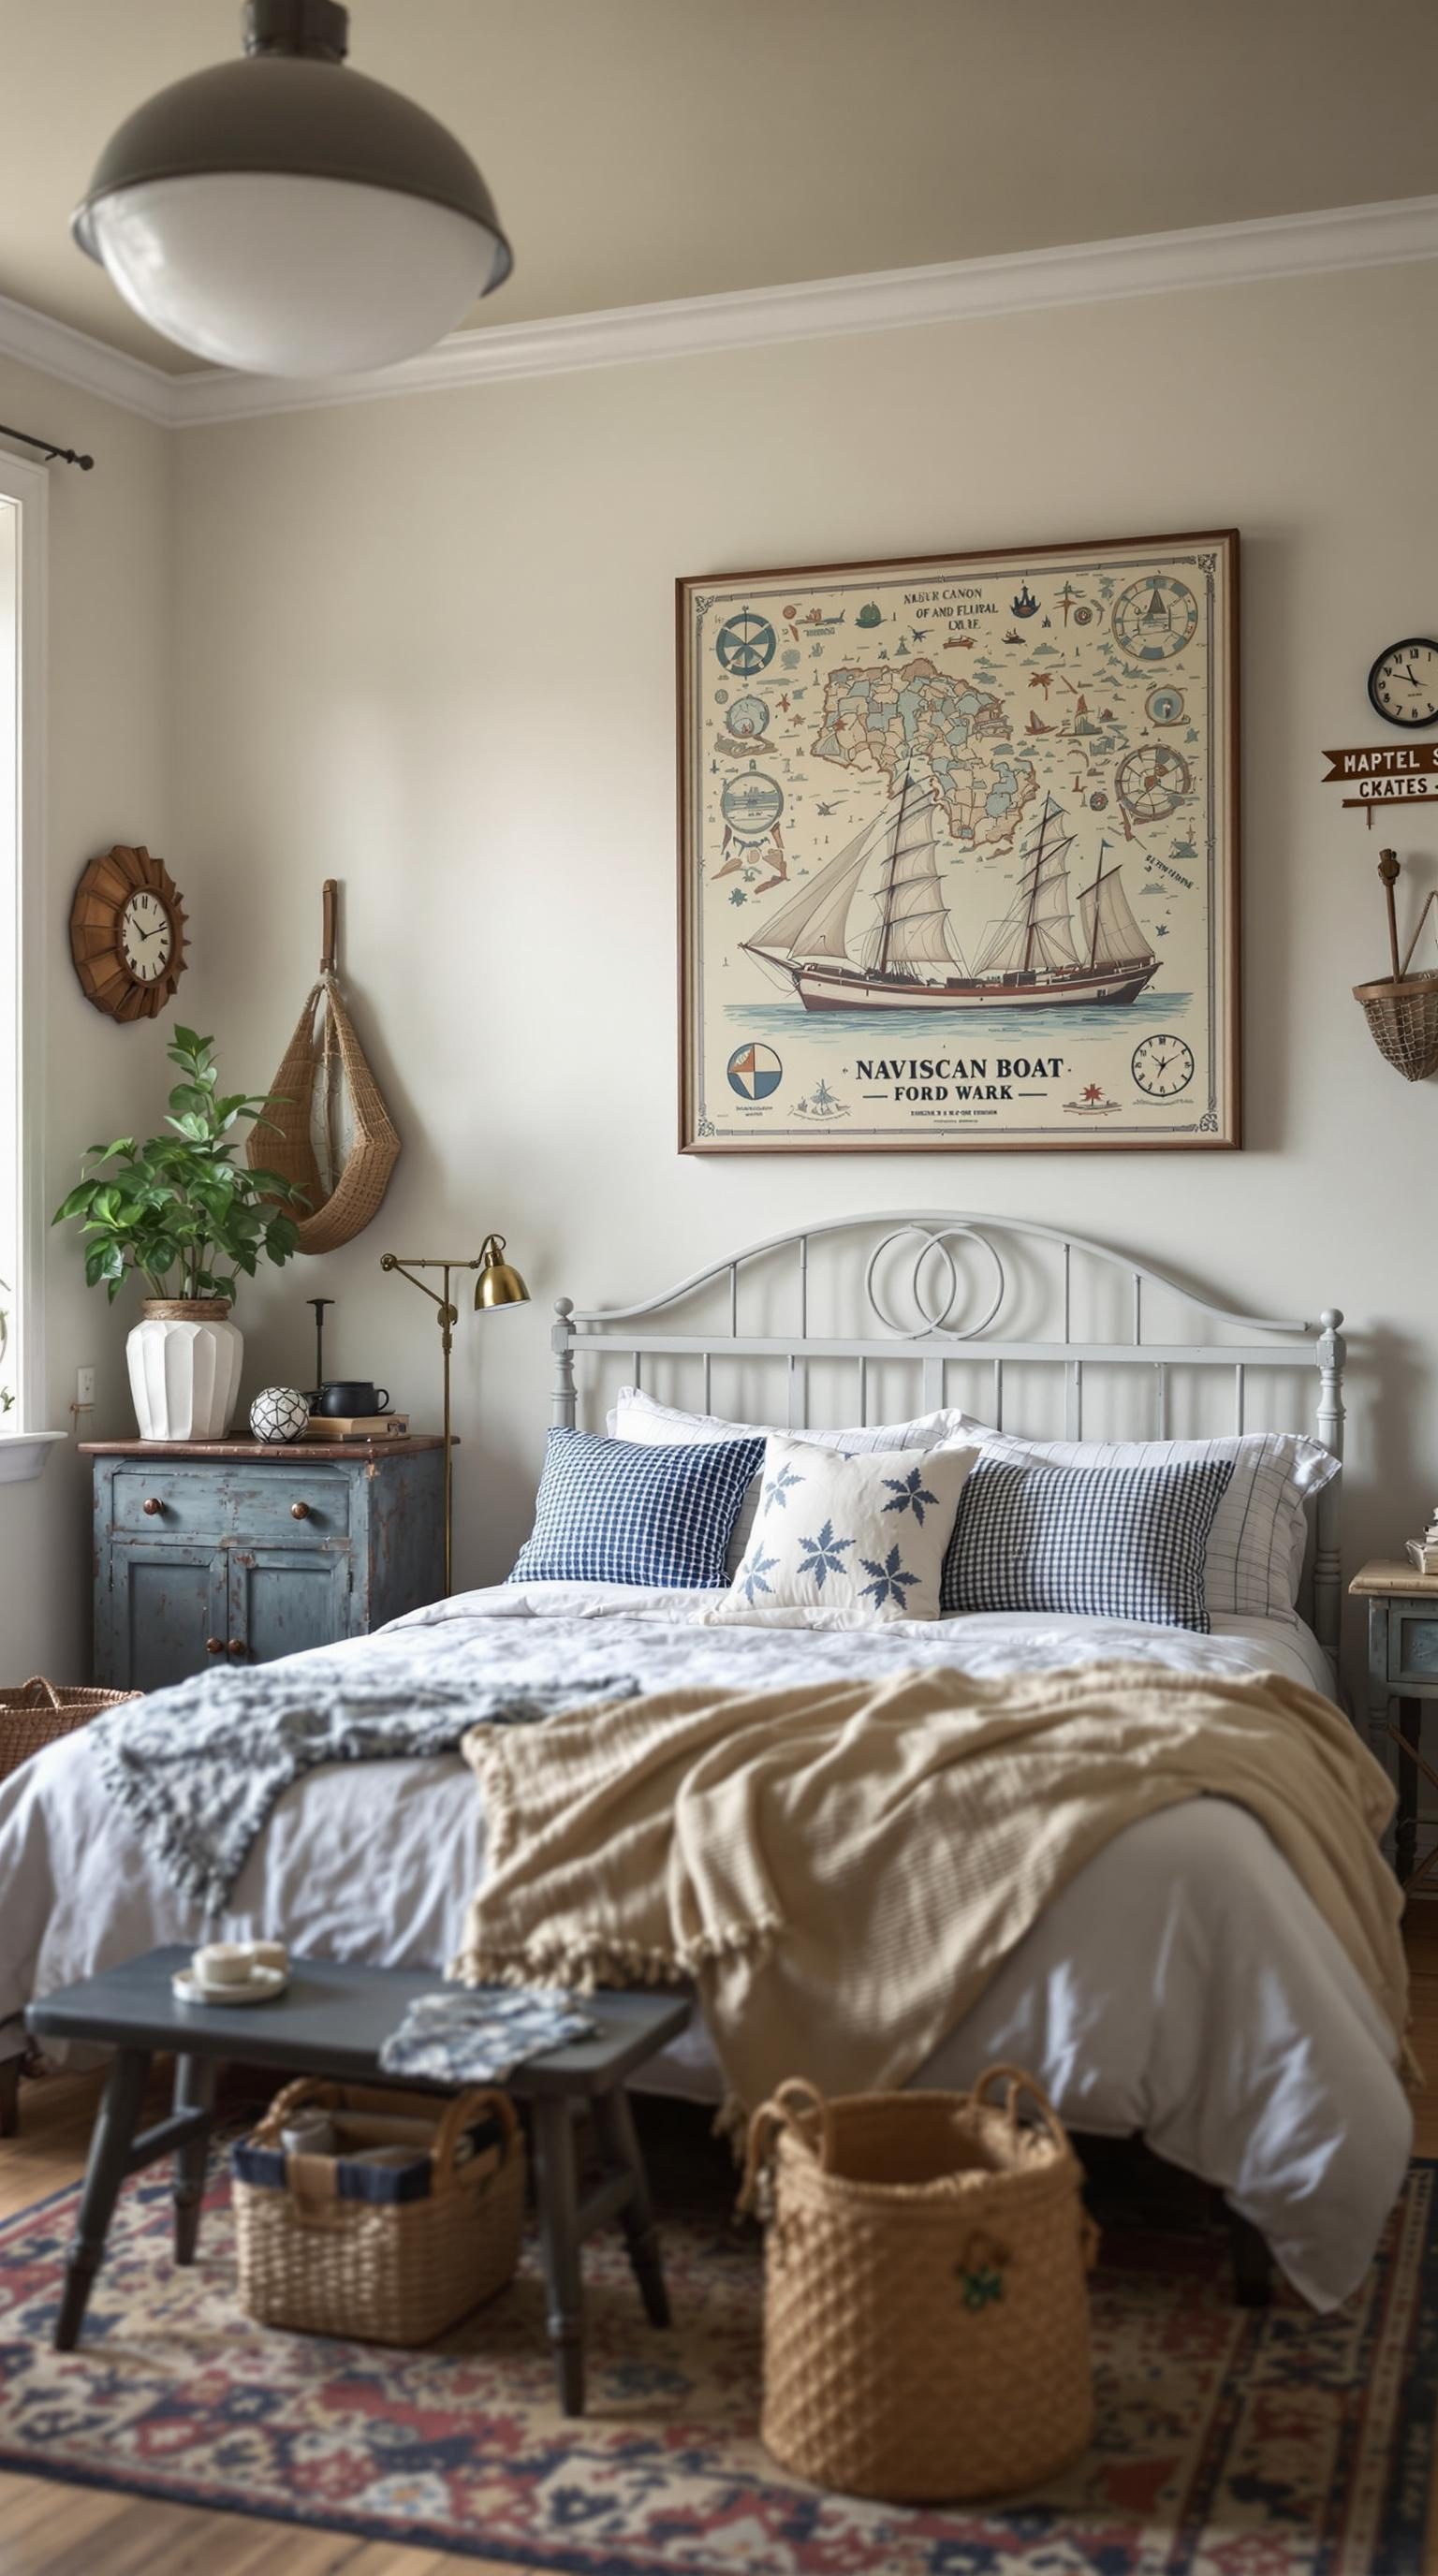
x=1182 y=1985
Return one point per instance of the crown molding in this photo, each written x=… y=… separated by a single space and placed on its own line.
x=1267 y=247
x=91 y=366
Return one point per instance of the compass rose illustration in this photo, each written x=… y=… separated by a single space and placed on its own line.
x=1152 y=781
x=745 y=643
x=1154 y=618
x=754 y=1072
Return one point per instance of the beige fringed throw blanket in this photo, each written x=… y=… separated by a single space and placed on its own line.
x=842 y=1868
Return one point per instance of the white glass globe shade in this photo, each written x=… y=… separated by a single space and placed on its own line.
x=290 y=276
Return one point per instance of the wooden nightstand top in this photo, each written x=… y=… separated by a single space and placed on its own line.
x=276 y=1453
x=1388 y=1574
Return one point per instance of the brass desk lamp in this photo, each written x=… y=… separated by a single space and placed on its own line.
x=497 y=1285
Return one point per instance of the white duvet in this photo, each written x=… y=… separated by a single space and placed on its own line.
x=1182 y=1986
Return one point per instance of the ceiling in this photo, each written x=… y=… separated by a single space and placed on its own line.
x=647 y=149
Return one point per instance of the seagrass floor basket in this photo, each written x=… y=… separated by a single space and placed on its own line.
x=926 y=2332
x=36 y=1713
x=395 y=2270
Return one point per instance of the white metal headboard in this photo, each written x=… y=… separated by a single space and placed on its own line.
x=956 y=1301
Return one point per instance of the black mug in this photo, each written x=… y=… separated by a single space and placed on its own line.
x=351 y=1395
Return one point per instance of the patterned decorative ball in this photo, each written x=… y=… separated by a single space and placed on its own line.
x=279 y=1413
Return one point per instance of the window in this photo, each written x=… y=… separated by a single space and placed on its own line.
x=22 y=1211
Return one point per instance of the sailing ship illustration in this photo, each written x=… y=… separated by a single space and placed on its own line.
x=1023 y=602
x=909 y=959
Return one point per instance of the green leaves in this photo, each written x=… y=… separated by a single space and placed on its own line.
x=181 y=1204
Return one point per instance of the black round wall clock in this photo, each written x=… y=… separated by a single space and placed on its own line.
x=1403 y=683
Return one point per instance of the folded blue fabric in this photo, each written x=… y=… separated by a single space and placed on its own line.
x=616 y=1511
x=1112 y=1543
x=479 y=2034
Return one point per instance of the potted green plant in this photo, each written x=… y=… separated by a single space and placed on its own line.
x=189 y=1218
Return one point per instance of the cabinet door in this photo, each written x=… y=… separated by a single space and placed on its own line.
x=161 y=1607
x=283 y=1599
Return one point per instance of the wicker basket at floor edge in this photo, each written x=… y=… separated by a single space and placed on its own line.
x=395 y=2272
x=36 y=1713
x=926 y=2330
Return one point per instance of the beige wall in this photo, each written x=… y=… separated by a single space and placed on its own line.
x=108 y=711
x=428 y=646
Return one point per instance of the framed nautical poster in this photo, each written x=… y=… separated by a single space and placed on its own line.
x=959 y=852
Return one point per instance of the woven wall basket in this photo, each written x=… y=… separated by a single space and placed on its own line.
x=925 y=2304
x=329 y=1131
x=1402 y=1013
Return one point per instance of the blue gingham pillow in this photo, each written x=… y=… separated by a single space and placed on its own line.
x=1119 y=1543
x=609 y=1511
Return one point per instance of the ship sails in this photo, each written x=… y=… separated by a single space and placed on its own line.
x=1037 y=929
x=909 y=951
x=1109 y=928
x=911 y=936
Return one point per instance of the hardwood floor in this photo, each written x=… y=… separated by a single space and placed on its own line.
x=48 y=2529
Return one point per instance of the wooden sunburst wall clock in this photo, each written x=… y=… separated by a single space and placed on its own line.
x=127 y=934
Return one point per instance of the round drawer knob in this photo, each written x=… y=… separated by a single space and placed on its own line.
x=214 y=1645
x=299 y=1511
x=153 y=1504
x=237 y=1645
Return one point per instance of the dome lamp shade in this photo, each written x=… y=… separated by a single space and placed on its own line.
x=286 y=216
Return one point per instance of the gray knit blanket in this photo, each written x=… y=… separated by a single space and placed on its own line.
x=199 y=1768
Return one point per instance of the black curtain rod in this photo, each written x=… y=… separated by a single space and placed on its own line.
x=48 y=449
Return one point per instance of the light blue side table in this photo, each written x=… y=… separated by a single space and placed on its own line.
x=230 y=1551
x=1402 y=1675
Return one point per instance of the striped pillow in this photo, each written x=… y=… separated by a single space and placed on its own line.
x=1260 y=1530
x=1122 y=1543
x=609 y=1511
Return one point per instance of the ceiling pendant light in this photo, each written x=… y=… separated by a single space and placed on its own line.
x=289 y=217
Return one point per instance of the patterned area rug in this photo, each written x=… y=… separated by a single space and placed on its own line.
x=1228 y=2443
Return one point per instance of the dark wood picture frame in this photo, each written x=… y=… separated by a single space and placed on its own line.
x=1074 y=1124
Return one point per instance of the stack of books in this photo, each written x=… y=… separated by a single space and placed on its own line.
x=1424 y=1550
x=356 y=1426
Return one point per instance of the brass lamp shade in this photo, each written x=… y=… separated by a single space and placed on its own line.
x=497 y=1284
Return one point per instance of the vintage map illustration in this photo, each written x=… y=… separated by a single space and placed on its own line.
x=957 y=851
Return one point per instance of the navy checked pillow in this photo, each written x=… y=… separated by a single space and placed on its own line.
x=611 y=1511
x=1118 y=1543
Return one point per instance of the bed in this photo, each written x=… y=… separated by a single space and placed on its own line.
x=1182 y=1987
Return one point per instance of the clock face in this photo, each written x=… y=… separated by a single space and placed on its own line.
x=1162 y=1066
x=147 y=940
x=1403 y=683
x=127 y=933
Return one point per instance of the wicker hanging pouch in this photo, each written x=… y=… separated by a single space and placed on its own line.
x=36 y=1713
x=926 y=2331
x=324 y=1099
x=387 y=2271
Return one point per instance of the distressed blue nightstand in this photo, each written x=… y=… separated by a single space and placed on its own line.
x=1402 y=1674
x=232 y=1551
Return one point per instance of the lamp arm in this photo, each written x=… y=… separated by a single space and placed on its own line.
x=391 y=1261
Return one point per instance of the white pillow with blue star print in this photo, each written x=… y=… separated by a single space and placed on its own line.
x=864 y=1535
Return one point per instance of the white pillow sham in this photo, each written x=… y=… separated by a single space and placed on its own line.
x=1254 y=1560
x=865 y=1534
x=637 y=1416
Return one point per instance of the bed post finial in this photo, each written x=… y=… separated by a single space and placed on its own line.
x=561 y=1342
x=1331 y=1353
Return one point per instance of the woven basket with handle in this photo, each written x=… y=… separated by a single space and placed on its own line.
x=386 y=2271
x=36 y=1713
x=926 y=2331
x=1402 y=1013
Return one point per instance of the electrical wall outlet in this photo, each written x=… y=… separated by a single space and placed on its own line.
x=85 y=1386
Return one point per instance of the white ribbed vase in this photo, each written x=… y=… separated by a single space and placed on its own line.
x=184 y=1360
